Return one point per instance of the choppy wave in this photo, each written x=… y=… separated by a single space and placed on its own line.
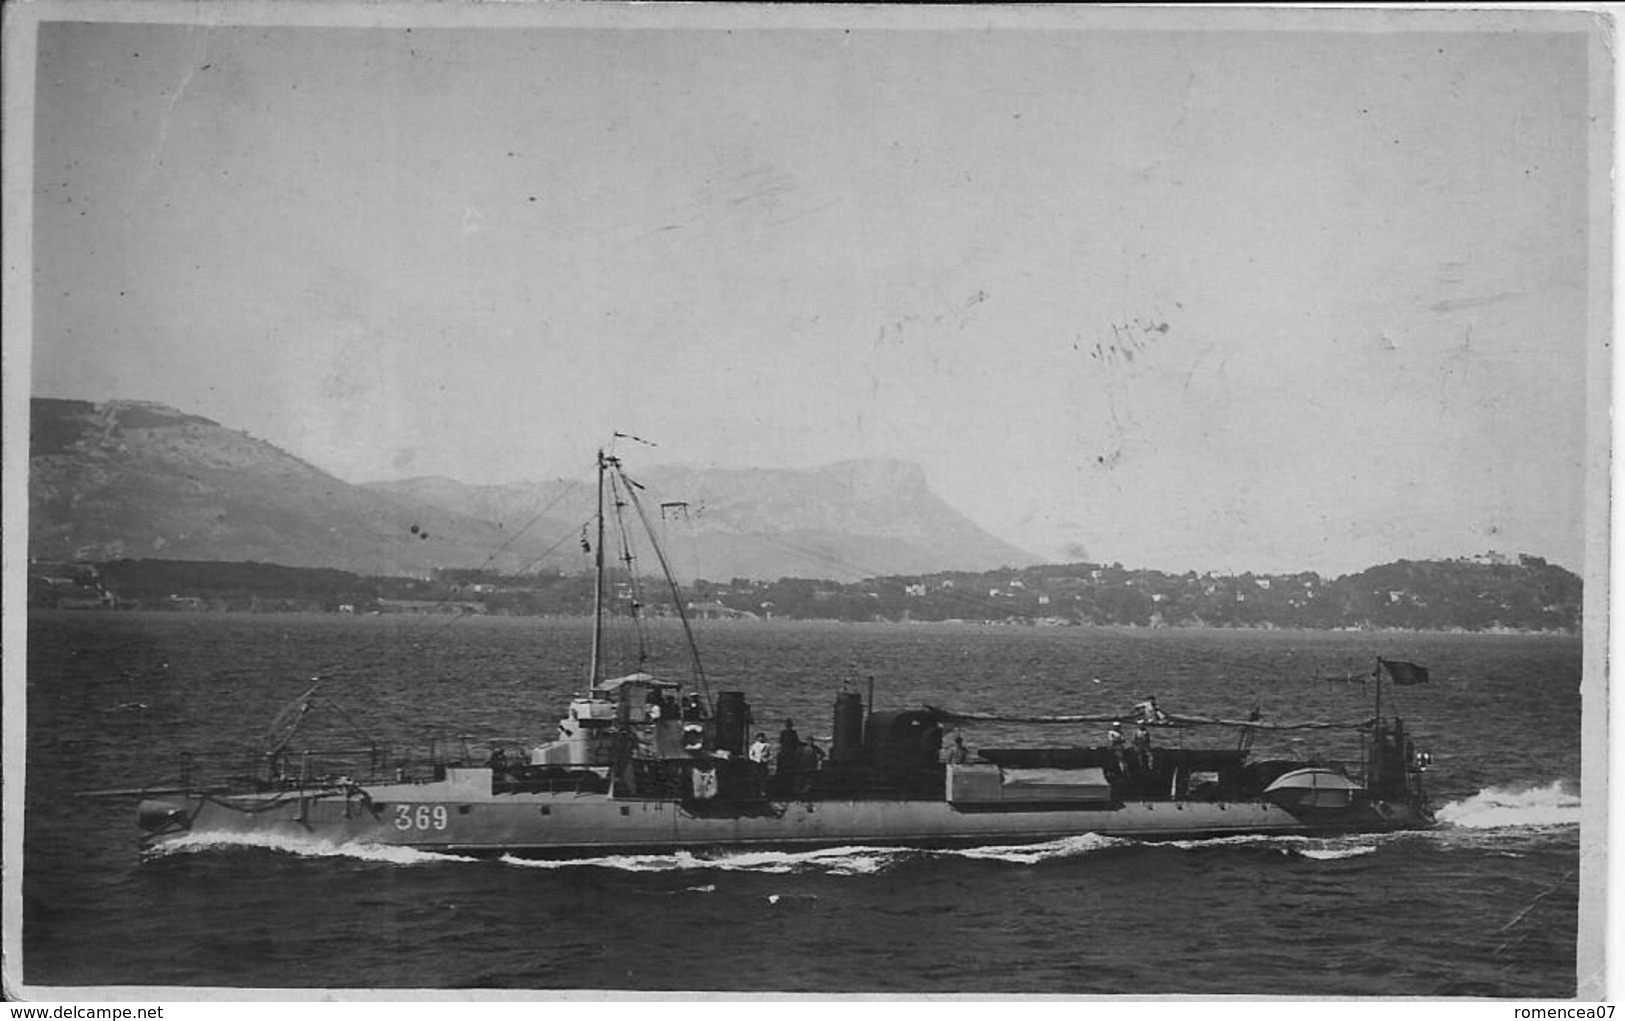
x=1498 y=808
x=194 y=843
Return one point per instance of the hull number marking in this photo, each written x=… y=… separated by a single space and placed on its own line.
x=420 y=817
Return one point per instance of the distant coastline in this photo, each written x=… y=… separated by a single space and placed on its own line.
x=1482 y=595
x=833 y=622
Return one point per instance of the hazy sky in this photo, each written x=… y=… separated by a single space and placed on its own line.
x=1220 y=299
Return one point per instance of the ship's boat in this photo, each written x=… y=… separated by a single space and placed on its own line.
x=644 y=763
x=1313 y=788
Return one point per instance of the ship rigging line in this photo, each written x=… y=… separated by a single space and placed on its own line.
x=566 y=491
x=671 y=581
x=282 y=729
x=374 y=658
x=634 y=586
x=435 y=627
x=538 y=558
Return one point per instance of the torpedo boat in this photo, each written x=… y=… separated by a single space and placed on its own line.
x=645 y=764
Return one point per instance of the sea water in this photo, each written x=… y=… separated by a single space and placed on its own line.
x=1485 y=905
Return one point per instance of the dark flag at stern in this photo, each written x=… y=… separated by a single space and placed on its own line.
x=1403 y=673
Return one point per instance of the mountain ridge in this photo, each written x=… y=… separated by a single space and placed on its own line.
x=127 y=478
x=132 y=478
x=847 y=520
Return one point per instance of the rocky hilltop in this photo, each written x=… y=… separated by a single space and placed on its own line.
x=130 y=479
x=843 y=522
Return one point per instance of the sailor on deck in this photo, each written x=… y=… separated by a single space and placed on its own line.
x=757 y=753
x=1142 y=746
x=693 y=708
x=809 y=759
x=1114 y=738
x=789 y=746
x=1149 y=712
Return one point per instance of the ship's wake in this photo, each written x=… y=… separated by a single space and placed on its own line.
x=1291 y=845
x=1319 y=848
x=195 y=843
x=1033 y=854
x=853 y=860
x=833 y=860
x=1556 y=804
x=865 y=860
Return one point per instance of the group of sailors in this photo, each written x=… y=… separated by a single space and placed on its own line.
x=659 y=706
x=662 y=706
x=1140 y=756
x=794 y=760
x=1132 y=755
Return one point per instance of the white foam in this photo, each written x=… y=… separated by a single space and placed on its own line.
x=837 y=860
x=1315 y=848
x=623 y=862
x=1335 y=853
x=1489 y=808
x=1318 y=848
x=859 y=860
x=1032 y=854
x=849 y=860
x=1277 y=840
x=193 y=843
x=1498 y=808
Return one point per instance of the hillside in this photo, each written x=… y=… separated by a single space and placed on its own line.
x=132 y=479
x=129 y=479
x=845 y=521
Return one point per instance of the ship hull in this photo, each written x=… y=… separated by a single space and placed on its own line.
x=438 y=817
